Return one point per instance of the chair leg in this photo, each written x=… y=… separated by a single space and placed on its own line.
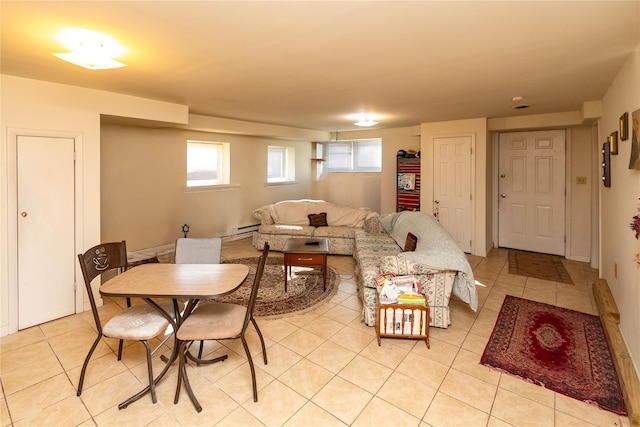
x=253 y=370
x=120 y=349
x=181 y=357
x=200 y=350
x=86 y=362
x=152 y=386
x=264 y=350
x=182 y=374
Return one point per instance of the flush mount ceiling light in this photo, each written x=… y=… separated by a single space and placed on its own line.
x=519 y=105
x=366 y=120
x=90 y=49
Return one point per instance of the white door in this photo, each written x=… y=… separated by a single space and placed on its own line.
x=532 y=191
x=452 y=187
x=46 y=229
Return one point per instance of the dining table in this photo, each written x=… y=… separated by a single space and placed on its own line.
x=178 y=282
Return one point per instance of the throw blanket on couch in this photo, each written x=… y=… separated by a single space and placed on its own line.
x=435 y=249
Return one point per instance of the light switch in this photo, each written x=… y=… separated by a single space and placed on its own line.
x=581 y=180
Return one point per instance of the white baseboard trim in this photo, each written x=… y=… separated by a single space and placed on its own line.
x=4 y=331
x=147 y=253
x=578 y=258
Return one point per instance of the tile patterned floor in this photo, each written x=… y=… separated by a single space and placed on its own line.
x=325 y=369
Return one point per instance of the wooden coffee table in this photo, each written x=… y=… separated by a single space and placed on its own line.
x=305 y=252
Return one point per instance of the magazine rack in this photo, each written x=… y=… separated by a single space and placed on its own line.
x=402 y=321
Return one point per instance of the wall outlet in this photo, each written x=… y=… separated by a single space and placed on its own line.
x=581 y=180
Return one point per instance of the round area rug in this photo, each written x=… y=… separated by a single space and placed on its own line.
x=304 y=291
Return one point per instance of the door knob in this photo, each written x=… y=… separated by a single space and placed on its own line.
x=503 y=195
x=23 y=214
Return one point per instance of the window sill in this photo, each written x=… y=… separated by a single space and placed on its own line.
x=210 y=188
x=276 y=184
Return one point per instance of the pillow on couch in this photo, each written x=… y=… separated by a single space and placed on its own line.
x=318 y=220
x=411 y=242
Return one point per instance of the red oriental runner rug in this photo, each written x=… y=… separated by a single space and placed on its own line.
x=563 y=350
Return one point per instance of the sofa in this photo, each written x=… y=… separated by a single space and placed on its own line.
x=310 y=218
x=437 y=262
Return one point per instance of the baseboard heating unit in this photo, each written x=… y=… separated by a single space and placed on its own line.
x=237 y=233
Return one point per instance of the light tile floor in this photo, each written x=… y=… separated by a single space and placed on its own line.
x=325 y=369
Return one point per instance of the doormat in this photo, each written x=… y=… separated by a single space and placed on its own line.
x=304 y=291
x=563 y=350
x=539 y=266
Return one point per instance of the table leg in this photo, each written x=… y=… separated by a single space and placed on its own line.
x=287 y=271
x=324 y=273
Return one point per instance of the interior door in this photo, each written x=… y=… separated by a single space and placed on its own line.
x=452 y=187
x=531 y=205
x=46 y=229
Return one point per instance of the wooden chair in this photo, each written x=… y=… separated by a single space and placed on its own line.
x=220 y=321
x=198 y=250
x=141 y=322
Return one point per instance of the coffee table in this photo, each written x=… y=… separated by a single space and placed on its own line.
x=305 y=252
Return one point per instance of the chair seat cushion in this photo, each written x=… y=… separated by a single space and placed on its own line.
x=141 y=322
x=213 y=321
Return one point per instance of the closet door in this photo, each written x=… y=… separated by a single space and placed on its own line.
x=46 y=229
x=452 y=187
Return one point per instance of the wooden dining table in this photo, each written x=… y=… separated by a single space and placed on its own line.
x=191 y=282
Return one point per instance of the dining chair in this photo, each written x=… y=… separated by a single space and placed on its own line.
x=140 y=322
x=198 y=250
x=220 y=321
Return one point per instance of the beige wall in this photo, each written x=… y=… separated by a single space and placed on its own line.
x=42 y=108
x=374 y=191
x=143 y=184
x=618 y=204
x=579 y=215
x=143 y=172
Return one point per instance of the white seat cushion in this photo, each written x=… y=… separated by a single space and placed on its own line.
x=141 y=322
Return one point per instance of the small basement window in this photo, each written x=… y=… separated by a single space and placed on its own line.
x=207 y=163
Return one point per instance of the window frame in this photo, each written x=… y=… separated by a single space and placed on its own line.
x=222 y=166
x=287 y=164
x=354 y=160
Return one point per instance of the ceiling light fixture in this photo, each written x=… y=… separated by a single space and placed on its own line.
x=89 y=49
x=519 y=105
x=366 y=120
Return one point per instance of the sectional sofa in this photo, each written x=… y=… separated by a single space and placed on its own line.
x=378 y=246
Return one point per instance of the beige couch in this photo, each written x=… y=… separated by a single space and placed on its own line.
x=290 y=218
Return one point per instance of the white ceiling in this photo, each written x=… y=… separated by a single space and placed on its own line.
x=310 y=64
